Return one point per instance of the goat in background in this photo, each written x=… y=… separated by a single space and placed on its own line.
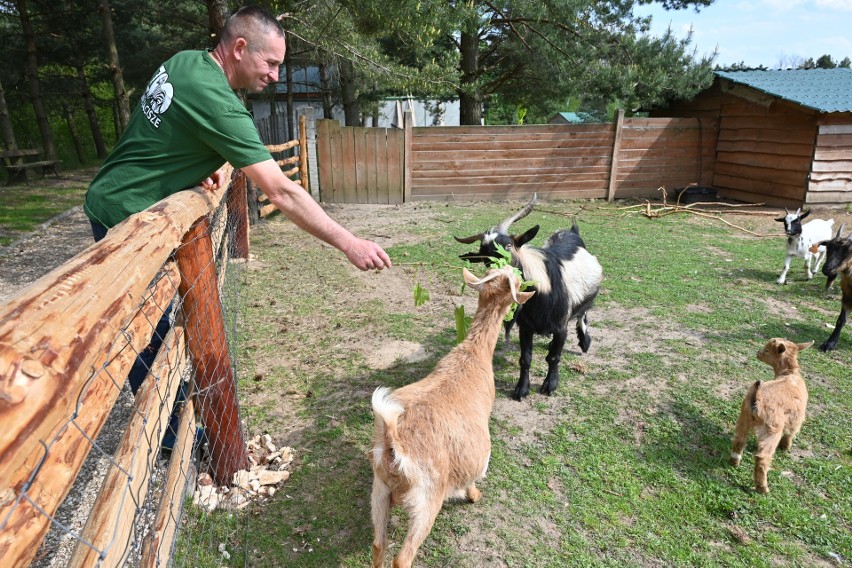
x=838 y=261
x=775 y=409
x=431 y=437
x=800 y=241
x=566 y=279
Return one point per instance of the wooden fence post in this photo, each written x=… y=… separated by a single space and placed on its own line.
x=406 y=159
x=238 y=214
x=616 y=147
x=215 y=384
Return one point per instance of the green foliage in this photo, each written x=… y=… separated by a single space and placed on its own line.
x=462 y=323
x=533 y=55
x=504 y=258
x=421 y=295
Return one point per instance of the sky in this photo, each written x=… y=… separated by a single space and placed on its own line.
x=762 y=32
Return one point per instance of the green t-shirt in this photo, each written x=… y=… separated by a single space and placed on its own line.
x=188 y=123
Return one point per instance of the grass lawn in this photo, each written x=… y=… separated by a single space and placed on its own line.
x=24 y=207
x=626 y=464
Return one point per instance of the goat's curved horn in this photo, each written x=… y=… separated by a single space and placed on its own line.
x=470 y=239
x=786 y=211
x=504 y=226
x=840 y=230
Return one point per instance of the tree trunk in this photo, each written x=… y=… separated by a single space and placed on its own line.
x=325 y=84
x=217 y=15
x=35 y=84
x=470 y=100
x=72 y=128
x=6 y=123
x=91 y=113
x=121 y=97
x=349 y=93
x=288 y=67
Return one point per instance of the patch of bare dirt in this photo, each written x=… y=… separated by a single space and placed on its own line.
x=55 y=242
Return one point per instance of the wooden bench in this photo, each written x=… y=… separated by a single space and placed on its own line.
x=18 y=164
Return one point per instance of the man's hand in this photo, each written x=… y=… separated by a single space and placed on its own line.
x=215 y=181
x=367 y=255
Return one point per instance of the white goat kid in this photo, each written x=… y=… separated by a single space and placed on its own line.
x=801 y=238
x=431 y=437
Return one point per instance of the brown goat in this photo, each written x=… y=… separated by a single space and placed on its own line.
x=431 y=437
x=775 y=409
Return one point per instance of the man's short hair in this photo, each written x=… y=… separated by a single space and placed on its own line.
x=252 y=23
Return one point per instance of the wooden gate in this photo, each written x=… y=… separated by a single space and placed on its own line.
x=360 y=165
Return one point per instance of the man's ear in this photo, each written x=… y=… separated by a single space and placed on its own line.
x=240 y=47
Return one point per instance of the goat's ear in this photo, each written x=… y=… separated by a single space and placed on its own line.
x=470 y=279
x=524 y=296
x=779 y=219
x=805 y=214
x=525 y=237
x=470 y=239
x=781 y=348
x=803 y=346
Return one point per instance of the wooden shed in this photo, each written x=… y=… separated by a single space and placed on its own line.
x=783 y=137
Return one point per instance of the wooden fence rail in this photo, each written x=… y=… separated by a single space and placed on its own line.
x=295 y=165
x=66 y=345
x=632 y=157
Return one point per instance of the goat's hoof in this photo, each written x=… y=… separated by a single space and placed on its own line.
x=520 y=393
x=827 y=346
x=764 y=489
x=547 y=389
x=735 y=462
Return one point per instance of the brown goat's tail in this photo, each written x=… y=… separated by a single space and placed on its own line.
x=386 y=412
x=752 y=396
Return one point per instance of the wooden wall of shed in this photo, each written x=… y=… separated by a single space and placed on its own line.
x=831 y=172
x=764 y=151
x=664 y=152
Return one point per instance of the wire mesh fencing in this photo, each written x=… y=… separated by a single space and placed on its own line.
x=118 y=396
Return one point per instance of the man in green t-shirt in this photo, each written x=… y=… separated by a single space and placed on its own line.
x=188 y=124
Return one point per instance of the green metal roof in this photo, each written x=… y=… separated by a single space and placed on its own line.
x=824 y=90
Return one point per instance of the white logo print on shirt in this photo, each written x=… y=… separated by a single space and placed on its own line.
x=157 y=97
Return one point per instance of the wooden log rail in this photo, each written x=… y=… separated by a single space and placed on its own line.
x=67 y=342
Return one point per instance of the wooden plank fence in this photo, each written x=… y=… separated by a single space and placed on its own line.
x=632 y=157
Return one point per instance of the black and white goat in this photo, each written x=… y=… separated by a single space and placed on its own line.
x=800 y=239
x=566 y=281
x=838 y=261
